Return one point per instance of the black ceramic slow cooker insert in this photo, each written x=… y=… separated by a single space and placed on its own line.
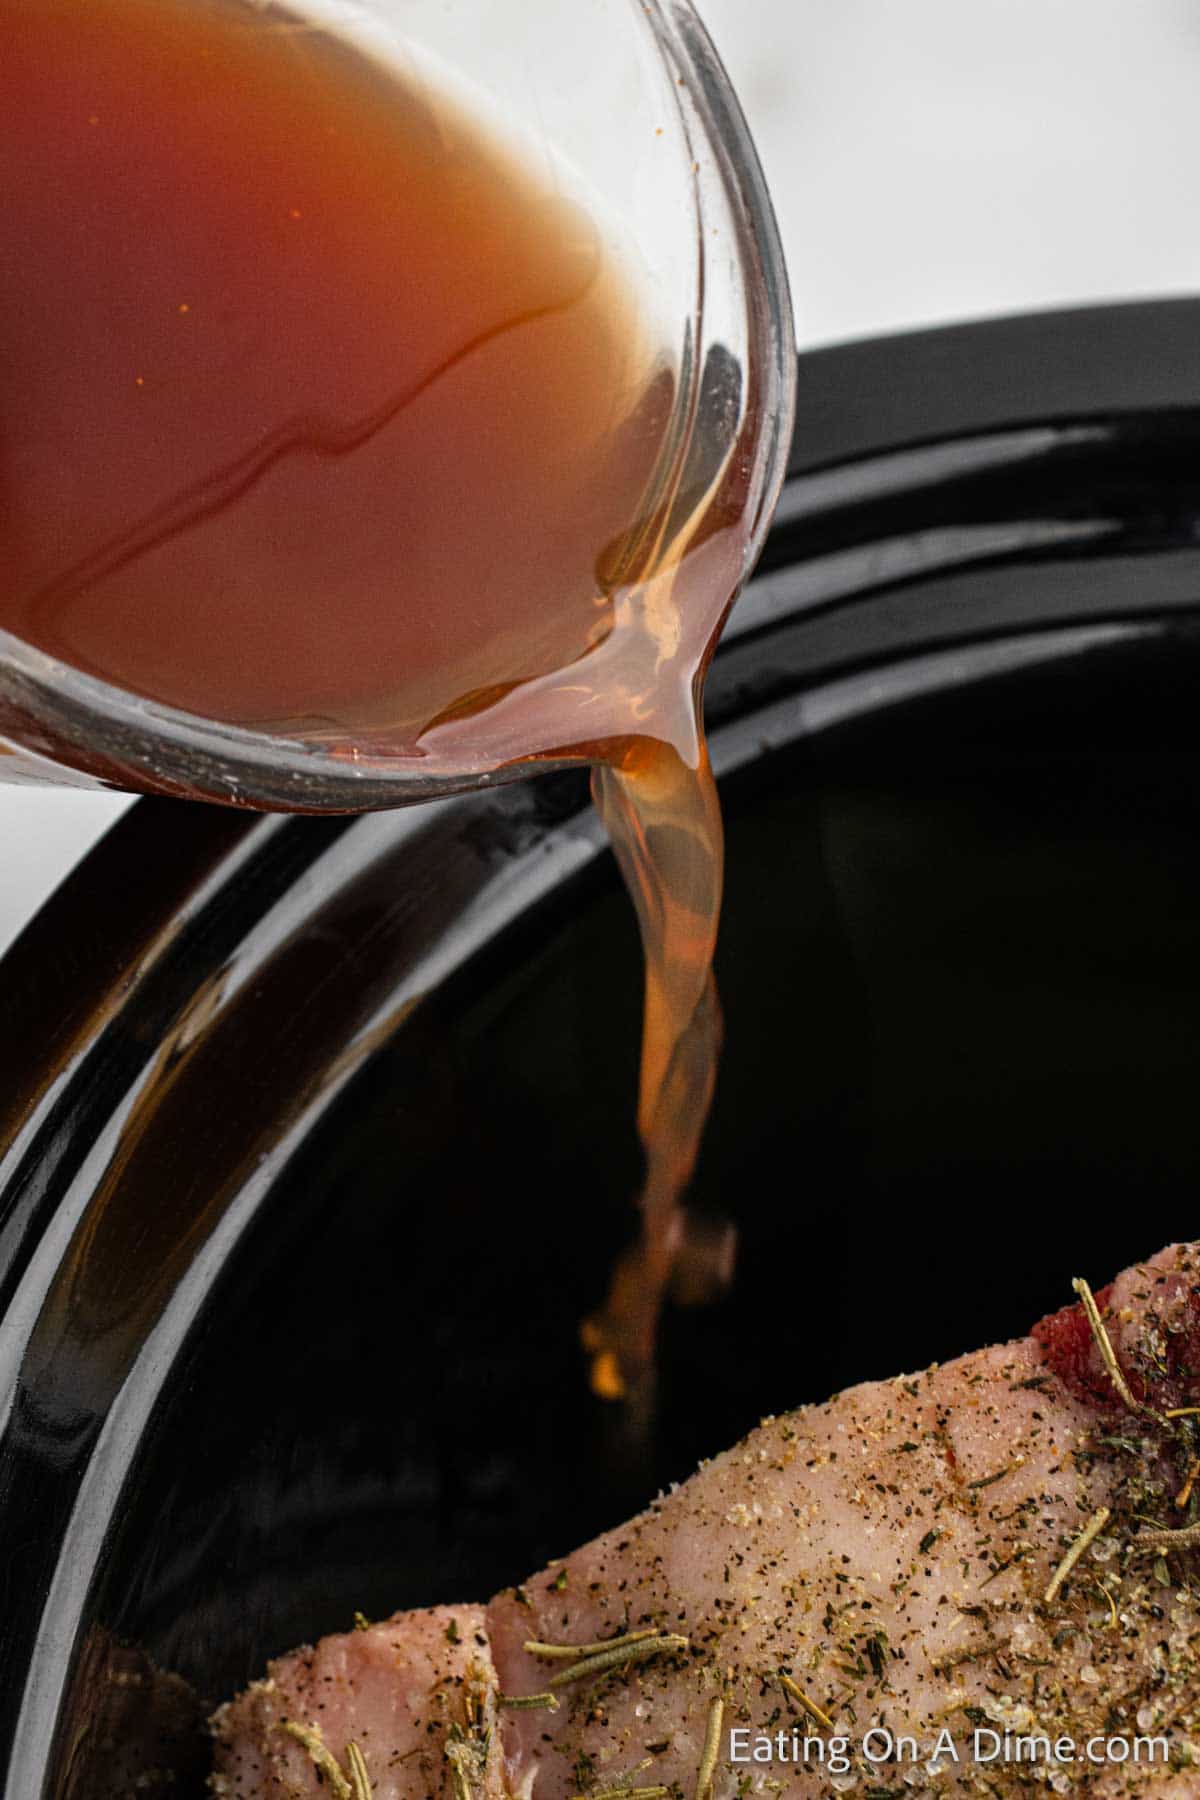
x=317 y=1135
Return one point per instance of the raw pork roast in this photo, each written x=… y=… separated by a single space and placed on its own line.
x=924 y=1586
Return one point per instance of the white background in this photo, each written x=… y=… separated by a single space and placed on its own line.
x=930 y=160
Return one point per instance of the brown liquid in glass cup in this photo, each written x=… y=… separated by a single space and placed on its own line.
x=324 y=415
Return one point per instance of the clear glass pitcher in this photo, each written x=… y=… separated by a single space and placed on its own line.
x=626 y=100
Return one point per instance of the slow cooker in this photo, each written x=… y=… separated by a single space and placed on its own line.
x=316 y=1135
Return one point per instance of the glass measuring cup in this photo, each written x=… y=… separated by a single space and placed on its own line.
x=629 y=103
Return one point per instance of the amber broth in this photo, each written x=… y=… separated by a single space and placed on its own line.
x=325 y=413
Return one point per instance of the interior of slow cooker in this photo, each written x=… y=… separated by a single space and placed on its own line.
x=960 y=971
x=960 y=965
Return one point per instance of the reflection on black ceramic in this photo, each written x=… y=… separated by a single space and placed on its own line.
x=320 y=1134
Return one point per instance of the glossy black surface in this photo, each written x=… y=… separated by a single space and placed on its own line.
x=320 y=1134
x=962 y=1044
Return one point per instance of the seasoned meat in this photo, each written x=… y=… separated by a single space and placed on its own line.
x=970 y=1580
x=405 y=1692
